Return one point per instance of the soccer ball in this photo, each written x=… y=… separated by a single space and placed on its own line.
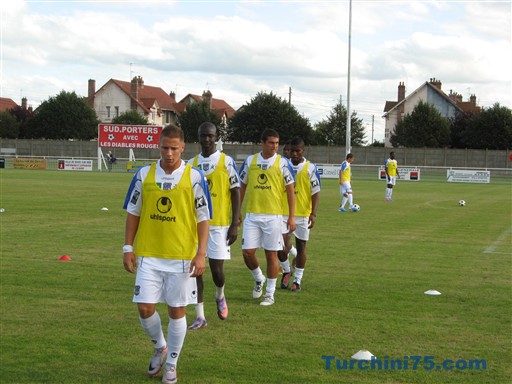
x=356 y=208
x=462 y=203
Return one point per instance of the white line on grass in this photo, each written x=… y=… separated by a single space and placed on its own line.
x=498 y=242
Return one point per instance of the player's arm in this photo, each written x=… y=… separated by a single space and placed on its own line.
x=290 y=194
x=198 y=263
x=235 y=215
x=315 y=199
x=129 y=259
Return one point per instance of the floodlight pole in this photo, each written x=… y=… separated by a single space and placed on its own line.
x=347 y=135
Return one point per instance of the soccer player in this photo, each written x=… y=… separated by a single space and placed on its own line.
x=307 y=197
x=289 y=250
x=345 y=181
x=224 y=183
x=391 y=167
x=166 y=236
x=264 y=176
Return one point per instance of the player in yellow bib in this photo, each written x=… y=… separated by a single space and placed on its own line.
x=264 y=176
x=391 y=167
x=224 y=184
x=168 y=211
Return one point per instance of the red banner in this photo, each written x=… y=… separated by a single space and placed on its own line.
x=129 y=136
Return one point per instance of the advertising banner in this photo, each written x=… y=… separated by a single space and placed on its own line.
x=405 y=173
x=129 y=136
x=468 y=176
x=27 y=163
x=74 y=165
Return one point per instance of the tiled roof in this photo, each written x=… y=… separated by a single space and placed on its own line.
x=6 y=104
x=218 y=105
x=148 y=95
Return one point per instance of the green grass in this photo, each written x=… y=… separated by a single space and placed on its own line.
x=74 y=322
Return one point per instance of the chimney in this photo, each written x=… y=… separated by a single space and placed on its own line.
x=401 y=91
x=134 y=92
x=91 y=90
x=172 y=95
x=472 y=100
x=436 y=83
x=24 y=104
x=207 y=96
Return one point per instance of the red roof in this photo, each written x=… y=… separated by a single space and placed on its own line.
x=6 y=104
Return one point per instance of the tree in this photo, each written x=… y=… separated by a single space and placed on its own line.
x=333 y=129
x=9 y=127
x=423 y=127
x=459 y=125
x=489 y=129
x=65 y=116
x=266 y=110
x=194 y=115
x=22 y=116
x=130 y=117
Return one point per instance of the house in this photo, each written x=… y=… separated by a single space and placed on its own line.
x=220 y=107
x=431 y=93
x=117 y=97
x=6 y=104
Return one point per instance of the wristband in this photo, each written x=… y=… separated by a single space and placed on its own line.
x=127 y=248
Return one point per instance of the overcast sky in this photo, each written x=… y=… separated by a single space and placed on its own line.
x=239 y=48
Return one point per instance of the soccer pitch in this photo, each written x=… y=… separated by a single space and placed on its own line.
x=363 y=289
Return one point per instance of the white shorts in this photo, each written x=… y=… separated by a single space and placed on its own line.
x=346 y=187
x=301 y=228
x=262 y=231
x=391 y=180
x=218 y=248
x=153 y=286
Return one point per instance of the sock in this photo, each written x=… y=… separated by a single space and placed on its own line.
x=271 y=287
x=343 y=202
x=258 y=275
x=388 y=193
x=219 y=293
x=350 y=200
x=293 y=252
x=200 y=310
x=153 y=328
x=297 y=278
x=176 y=330
x=285 y=265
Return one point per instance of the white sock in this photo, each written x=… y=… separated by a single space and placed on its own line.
x=153 y=328
x=297 y=277
x=293 y=252
x=285 y=265
x=350 y=200
x=258 y=275
x=176 y=330
x=343 y=202
x=271 y=287
x=219 y=293
x=200 y=310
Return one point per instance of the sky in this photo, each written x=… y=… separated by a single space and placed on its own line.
x=298 y=50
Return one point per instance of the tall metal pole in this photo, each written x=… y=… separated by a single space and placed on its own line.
x=347 y=136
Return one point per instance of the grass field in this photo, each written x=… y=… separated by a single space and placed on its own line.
x=363 y=289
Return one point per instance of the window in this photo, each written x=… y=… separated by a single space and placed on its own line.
x=108 y=112
x=117 y=111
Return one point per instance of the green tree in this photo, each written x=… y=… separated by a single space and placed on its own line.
x=65 y=116
x=194 y=115
x=266 y=110
x=489 y=129
x=333 y=129
x=22 y=116
x=423 y=127
x=458 y=126
x=9 y=127
x=130 y=117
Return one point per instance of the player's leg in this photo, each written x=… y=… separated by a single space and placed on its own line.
x=272 y=242
x=301 y=238
x=149 y=284
x=200 y=321
x=217 y=268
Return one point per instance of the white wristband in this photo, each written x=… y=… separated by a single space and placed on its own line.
x=127 y=248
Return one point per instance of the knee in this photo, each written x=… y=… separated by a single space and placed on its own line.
x=390 y=185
